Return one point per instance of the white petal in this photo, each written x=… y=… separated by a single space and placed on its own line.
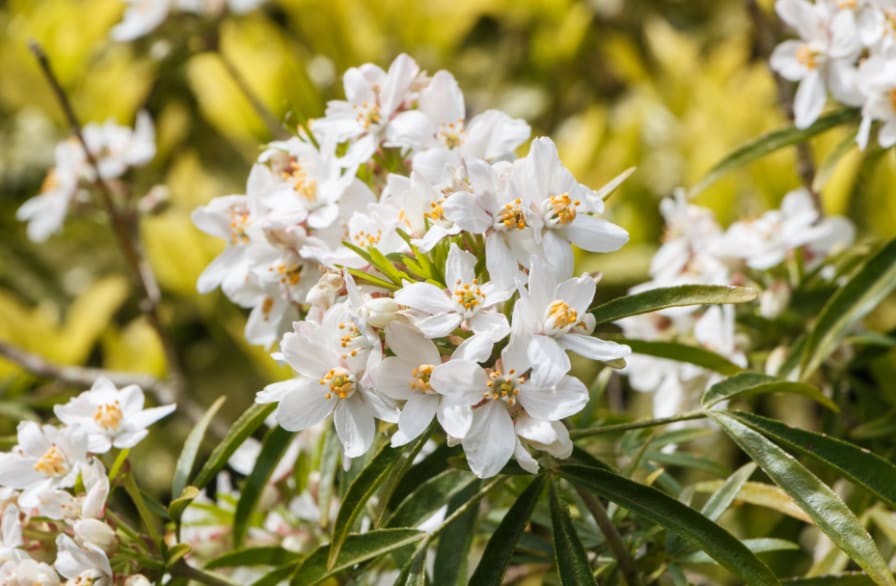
x=595 y=234
x=459 y=266
x=424 y=297
x=566 y=398
x=809 y=101
x=595 y=348
x=490 y=441
x=550 y=360
x=304 y=406
x=415 y=416
x=455 y=418
x=354 y=426
x=463 y=381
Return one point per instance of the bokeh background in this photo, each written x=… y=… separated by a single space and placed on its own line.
x=667 y=86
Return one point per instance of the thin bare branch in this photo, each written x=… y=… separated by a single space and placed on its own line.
x=270 y=120
x=126 y=232
x=765 y=40
x=614 y=540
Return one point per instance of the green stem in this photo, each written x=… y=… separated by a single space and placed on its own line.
x=184 y=570
x=130 y=485
x=591 y=431
x=614 y=540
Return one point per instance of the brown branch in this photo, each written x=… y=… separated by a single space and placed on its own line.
x=765 y=41
x=80 y=376
x=125 y=230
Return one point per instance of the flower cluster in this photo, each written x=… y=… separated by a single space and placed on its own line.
x=847 y=48
x=697 y=251
x=114 y=149
x=429 y=268
x=143 y=16
x=54 y=484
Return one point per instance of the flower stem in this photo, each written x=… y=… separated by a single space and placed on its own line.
x=591 y=431
x=614 y=540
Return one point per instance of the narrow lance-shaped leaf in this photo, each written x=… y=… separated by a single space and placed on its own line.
x=771 y=142
x=430 y=497
x=858 y=464
x=662 y=509
x=456 y=538
x=813 y=496
x=242 y=428
x=272 y=449
x=752 y=383
x=355 y=550
x=500 y=546
x=363 y=487
x=682 y=353
x=191 y=447
x=846 y=579
x=758 y=545
x=868 y=287
x=682 y=295
x=569 y=555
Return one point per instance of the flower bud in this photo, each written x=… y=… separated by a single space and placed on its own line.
x=774 y=300
x=137 y=580
x=95 y=532
x=379 y=311
x=324 y=293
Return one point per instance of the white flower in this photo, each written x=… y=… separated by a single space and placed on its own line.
x=373 y=97
x=406 y=377
x=438 y=312
x=332 y=379
x=876 y=78
x=822 y=60
x=11 y=534
x=45 y=212
x=117 y=148
x=140 y=18
x=45 y=458
x=27 y=572
x=111 y=417
x=84 y=565
x=551 y=316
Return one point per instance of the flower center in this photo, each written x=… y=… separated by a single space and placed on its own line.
x=366 y=239
x=511 y=217
x=52 y=463
x=560 y=316
x=892 y=95
x=560 y=209
x=302 y=184
x=351 y=340
x=339 y=382
x=847 y=4
x=51 y=181
x=420 y=376
x=266 y=307
x=435 y=213
x=239 y=222
x=289 y=275
x=503 y=387
x=451 y=134
x=367 y=114
x=468 y=295
x=108 y=416
x=807 y=57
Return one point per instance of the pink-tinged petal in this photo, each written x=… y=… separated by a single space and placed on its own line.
x=566 y=398
x=392 y=378
x=809 y=101
x=409 y=345
x=524 y=458
x=455 y=418
x=424 y=297
x=491 y=440
x=438 y=326
x=462 y=381
x=465 y=210
x=415 y=416
x=549 y=360
x=578 y=293
x=459 y=266
x=595 y=234
x=594 y=348
x=354 y=426
x=304 y=406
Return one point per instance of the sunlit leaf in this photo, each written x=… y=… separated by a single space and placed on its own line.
x=191 y=447
x=241 y=429
x=682 y=353
x=662 y=298
x=748 y=384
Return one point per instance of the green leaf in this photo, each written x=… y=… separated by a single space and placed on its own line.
x=359 y=492
x=456 y=538
x=356 y=549
x=177 y=507
x=846 y=579
x=253 y=556
x=500 y=546
x=430 y=497
x=682 y=353
x=747 y=384
x=277 y=575
x=858 y=464
x=191 y=447
x=862 y=293
x=769 y=143
x=242 y=428
x=760 y=545
x=275 y=443
x=656 y=299
x=569 y=555
x=414 y=573
x=176 y=552
x=720 y=500
x=822 y=505
x=664 y=510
